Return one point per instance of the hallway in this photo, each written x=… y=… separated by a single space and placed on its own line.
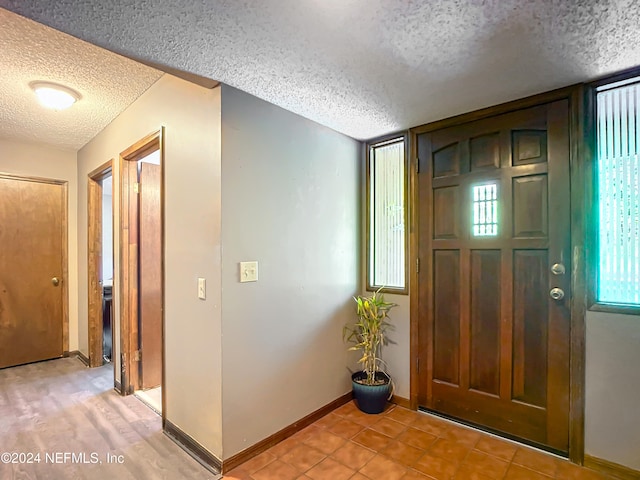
x=81 y=428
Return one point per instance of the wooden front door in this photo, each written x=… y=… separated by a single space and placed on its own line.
x=32 y=247
x=150 y=276
x=493 y=220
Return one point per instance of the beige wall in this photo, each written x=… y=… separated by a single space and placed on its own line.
x=191 y=116
x=290 y=199
x=612 y=424
x=47 y=162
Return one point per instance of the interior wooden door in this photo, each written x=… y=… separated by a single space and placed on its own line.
x=493 y=219
x=31 y=270
x=150 y=271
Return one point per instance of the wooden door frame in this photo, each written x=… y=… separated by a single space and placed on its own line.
x=578 y=180
x=94 y=261
x=65 y=247
x=128 y=254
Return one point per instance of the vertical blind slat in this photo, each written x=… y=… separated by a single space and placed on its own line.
x=618 y=137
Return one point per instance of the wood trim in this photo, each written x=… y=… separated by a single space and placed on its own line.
x=263 y=445
x=616 y=77
x=612 y=308
x=387 y=138
x=65 y=245
x=414 y=350
x=163 y=391
x=401 y=401
x=65 y=267
x=30 y=178
x=102 y=171
x=192 y=447
x=499 y=109
x=94 y=261
x=579 y=167
x=79 y=355
x=614 y=470
x=579 y=190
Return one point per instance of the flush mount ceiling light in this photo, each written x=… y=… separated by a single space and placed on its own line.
x=54 y=96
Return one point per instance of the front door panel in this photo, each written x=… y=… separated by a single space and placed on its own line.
x=493 y=218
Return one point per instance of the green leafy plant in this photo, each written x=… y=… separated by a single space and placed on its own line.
x=369 y=334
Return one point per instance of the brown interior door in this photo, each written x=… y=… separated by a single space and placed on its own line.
x=150 y=317
x=31 y=266
x=493 y=219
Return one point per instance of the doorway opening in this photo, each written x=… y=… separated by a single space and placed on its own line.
x=107 y=268
x=100 y=266
x=142 y=267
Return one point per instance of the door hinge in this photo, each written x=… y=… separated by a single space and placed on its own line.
x=417 y=165
x=136 y=187
x=137 y=355
x=417 y=364
x=417 y=265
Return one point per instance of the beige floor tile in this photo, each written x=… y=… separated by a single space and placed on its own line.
x=346 y=428
x=449 y=450
x=276 y=470
x=388 y=427
x=417 y=438
x=353 y=455
x=402 y=453
x=371 y=439
x=303 y=457
x=497 y=448
x=535 y=460
x=329 y=469
x=381 y=467
x=325 y=441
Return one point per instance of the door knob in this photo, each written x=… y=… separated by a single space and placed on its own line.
x=557 y=269
x=556 y=293
x=55 y=281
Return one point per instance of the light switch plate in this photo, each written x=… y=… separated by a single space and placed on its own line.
x=202 y=288
x=248 y=272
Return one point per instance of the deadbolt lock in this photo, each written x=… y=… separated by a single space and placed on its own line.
x=558 y=269
x=556 y=293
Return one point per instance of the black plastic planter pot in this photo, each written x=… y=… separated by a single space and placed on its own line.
x=371 y=398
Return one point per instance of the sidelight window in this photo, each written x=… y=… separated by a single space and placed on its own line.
x=618 y=186
x=386 y=220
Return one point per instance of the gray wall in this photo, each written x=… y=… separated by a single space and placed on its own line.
x=290 y=200
x=613 y=388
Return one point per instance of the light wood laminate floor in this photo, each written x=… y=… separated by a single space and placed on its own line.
x=59 y=408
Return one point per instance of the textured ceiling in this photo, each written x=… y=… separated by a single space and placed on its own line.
x=365 y=67
x=30 y=51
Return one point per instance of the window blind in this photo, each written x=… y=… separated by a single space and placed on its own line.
x=386 y=210
x=618 y=148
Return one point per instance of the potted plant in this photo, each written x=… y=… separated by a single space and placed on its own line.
x=372 y=386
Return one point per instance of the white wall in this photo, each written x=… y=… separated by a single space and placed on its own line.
x=396 y=354
x=612 y=424
x=191 y=115
x=290 y=199
x=43 y=161
x=107 y=231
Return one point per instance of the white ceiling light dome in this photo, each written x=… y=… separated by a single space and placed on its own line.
x=54 y=96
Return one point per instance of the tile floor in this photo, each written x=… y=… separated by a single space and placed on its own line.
x=400 y=444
